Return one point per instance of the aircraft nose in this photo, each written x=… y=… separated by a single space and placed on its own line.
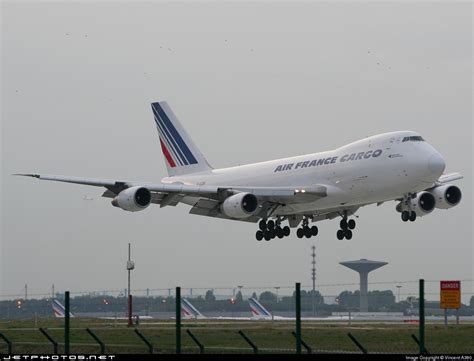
x=436 y=164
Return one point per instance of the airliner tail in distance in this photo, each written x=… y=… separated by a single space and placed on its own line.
x=59 y=310
x=189 y=311
x=258 y=311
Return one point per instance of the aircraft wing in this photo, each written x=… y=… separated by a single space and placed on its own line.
x=445 y=178
x=204 y=198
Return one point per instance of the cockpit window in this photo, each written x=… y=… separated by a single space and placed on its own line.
x=414 y=138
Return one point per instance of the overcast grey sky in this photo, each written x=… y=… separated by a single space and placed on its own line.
x=250 y=82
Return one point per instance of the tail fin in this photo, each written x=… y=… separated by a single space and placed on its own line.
x=59 y=310
x=189 y=310
x=181 y=154
x=258 y=311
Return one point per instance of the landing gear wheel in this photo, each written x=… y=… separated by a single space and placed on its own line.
x=405 y=216
x=300 y=233
x=340 y=234
x=348 y=234
x=307 y=232
x=286 y=231
x=262 y=225
x=280 y=233
x=314 y=231
x=343 y=223
x=259 y=235
x=267 y=236
x=271 y=225
x=412 y=216
x=351 y=224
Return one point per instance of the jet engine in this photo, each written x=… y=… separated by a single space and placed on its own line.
x=133 y=199
x=446 y=196
x=423 y=203
x=241 y=205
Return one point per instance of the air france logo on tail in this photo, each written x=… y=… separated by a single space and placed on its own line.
x=189 y=310
x=59 y=310
x=175 y=149
x=258 y=310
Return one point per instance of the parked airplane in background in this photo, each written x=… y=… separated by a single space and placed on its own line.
x=398 y=166
x=191 y=312
x=58 y=309
x=259 y=311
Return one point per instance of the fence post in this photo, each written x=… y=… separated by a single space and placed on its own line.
x=178 y=320
x=305 y=345
x=422 y=316
x=200 y=345
x=97 y=339
x=298 y=318
x=50 y=339
x=357 y=343
x=418 y=342
x=249 y=341
x=8 y=342
x=66 y=323
x=144 y=339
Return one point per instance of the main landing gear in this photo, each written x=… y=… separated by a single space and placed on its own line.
x=306 y=231
x=271 y=229
x=346 y=228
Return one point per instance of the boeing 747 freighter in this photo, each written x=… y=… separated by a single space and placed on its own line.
x=398 y=166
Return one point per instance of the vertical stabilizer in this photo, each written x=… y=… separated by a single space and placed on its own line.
x=182 y=156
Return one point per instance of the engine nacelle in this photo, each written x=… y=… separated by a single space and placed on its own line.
x=241 y=205
x=133 y=199
x=446 y=196
x=423 y=203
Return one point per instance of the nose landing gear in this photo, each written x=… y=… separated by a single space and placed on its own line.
x=408 y=216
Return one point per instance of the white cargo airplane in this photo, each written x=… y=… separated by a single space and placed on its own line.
x=398 y=166
x=190 y=312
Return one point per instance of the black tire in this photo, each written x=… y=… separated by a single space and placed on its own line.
x=286 y=231
x=307 y=232
x=348 y=234
x=343 y=223
x=314 y=231
x=351 y=224
x=267 y=236
x=271 y=225
x=300 y=233
x=262 y=225
x=259 y=235
x=280 y=233
x=405 y=216
x=340 y=234
x=412 y=216
x=272 y=234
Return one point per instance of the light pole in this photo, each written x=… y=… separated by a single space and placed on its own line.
x=130 y=267
x=276 y=289
x=399 y=286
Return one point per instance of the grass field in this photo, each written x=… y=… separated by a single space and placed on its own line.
x=222 y=336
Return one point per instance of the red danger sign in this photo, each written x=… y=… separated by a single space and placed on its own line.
x=450 y=285
x=450 y=295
